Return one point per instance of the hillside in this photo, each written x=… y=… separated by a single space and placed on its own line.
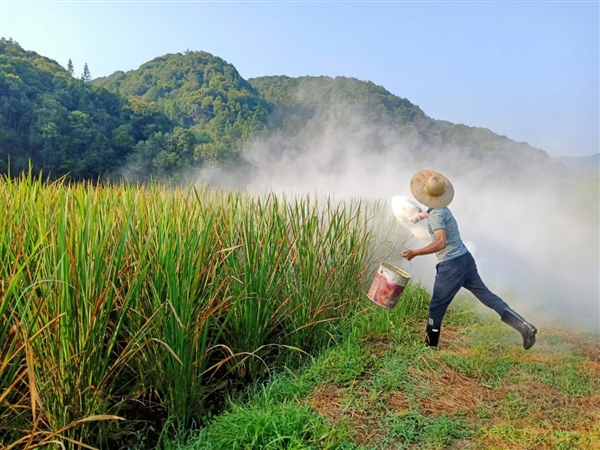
x=199 y=92
x=174 y=113
x=179 y=112
x=47 y=116
x=581 y=163
x=66 y=126
x=387 y=123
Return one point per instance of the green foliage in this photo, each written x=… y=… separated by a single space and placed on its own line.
x=273 y=427
x=130 y=117
x=572 y=377
x=412 y=428
x=48 y=118
x=67 y=126
x=200 y=92
x=86 y=77
x=300 y=99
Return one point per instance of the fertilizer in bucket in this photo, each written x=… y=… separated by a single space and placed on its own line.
x=388 y=285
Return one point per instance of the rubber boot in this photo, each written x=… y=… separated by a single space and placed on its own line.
x=527 y=330
x=433 y=336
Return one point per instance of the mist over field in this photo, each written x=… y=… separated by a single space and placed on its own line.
x=533 y=232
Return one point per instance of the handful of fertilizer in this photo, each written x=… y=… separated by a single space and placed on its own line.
x=406 y=210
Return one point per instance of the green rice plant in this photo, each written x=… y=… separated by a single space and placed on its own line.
x=65 y=305
x=327 y=252
x=254 y=271
x=121 y=299
x=183 y=288
x=85 y=304
x=13 y=370
x=19 y=248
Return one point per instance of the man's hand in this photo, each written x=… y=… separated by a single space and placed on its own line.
x=438 y=244
x=409 y=254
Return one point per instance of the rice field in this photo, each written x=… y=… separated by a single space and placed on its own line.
x=131 y=309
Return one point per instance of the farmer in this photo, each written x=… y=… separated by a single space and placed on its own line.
x=456 y=267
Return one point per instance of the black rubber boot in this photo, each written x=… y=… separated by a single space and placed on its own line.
x=527 y=330
x=433 y=336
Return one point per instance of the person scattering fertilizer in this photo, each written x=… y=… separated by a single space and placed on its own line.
x=456 y=267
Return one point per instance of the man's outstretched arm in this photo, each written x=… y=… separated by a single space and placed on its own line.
x=438 y=244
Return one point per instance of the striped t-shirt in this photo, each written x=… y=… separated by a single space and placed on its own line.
x=442 y=219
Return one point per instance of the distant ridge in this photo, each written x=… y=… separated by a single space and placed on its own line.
x=581 y=163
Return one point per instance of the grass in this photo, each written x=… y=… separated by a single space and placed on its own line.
x=385 y=390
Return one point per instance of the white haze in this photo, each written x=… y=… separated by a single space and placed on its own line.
x=533 y=246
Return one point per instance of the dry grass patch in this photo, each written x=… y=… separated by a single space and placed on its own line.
x=461 y=444
x=453 y=339
x=591 y=407
x=505 y=436
x=450 y=392
x=548 y=359
x=333 y=402
x=378 y=345
x=589 y=350
x=327 y=400
x=398 y=402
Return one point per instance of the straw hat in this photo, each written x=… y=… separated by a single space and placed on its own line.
x=432 y=189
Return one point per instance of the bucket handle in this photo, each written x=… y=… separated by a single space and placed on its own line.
x=404 y=263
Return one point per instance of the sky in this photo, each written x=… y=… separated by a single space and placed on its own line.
x=526 y=70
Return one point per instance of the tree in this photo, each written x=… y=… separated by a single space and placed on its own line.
x=85 y=76
x=70 y=67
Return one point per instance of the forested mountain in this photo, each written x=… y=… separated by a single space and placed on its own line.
x=174 y=113
x=183 y=111
x=201 y=93
x=297 y=100
x=347 y=102
x=59 y=123
x=65 y=125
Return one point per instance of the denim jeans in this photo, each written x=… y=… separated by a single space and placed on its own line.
x=450 y=277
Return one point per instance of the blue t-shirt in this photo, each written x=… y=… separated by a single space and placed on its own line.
x=442 y=219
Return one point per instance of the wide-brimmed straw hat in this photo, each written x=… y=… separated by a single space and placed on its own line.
x=432 y=189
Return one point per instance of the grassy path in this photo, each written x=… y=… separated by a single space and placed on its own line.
x=381 y=389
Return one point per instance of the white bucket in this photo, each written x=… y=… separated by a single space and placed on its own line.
x=388 y=285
